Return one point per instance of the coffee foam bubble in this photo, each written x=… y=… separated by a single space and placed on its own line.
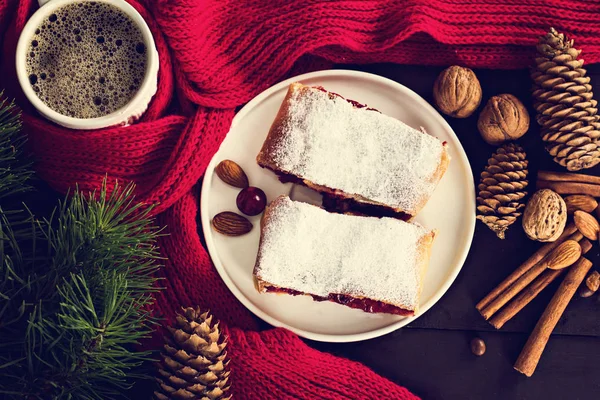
x=86 y=60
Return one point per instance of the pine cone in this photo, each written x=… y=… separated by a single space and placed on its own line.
x=502 y=188
x=194 y=361
x=564 y=103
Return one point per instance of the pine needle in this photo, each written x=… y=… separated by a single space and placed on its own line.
x=75 y=288
x=14 y=172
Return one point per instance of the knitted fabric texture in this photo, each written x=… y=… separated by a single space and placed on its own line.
x=215 y=55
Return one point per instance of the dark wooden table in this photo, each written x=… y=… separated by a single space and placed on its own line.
x=431 y=356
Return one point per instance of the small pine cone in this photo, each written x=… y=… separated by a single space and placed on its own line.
x=563 y=99
x=502 y=188
x=194 y=361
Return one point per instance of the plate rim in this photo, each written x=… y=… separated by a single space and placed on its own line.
x=322 y=337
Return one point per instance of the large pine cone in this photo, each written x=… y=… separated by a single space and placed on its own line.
x=564 y=103
x=194 y=361
x=502 y=188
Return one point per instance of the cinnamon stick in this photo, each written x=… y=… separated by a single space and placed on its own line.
x=530 y=292
x=567 y=177
x=531 y=353
x=525 y=297
x=586 y=246
x=591 y=189
x=526 y=266
x=525 y=280
x=513 y=290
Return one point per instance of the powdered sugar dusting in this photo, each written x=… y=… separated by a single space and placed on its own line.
x=362 y=152
x=307 y=249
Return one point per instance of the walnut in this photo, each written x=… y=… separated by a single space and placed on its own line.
x=503 y=118
x=545 y=216
x=457 y=92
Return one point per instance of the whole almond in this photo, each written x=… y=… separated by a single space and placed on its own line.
x=232 y=174
x=580 y=202
x=231 y=224
x=565 y=255
x=586 y=224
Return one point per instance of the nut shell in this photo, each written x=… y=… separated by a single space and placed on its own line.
x=564 y=255
x=231 y=224
x=232 y=174
x=478 y=346
x=503 y=118
x=592 y=282
x=457 y=92
x=586 y=224
x=545 y=216
x=580 y=202
x=584 y=291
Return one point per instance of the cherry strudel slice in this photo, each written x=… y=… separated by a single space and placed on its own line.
x=361 y=160
x=374 y=264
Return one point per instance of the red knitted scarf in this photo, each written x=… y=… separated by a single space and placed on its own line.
x=216 y=55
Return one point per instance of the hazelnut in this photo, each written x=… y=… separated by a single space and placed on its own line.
x=503 y=118
x=585 y=292
x=457 y=92
x=478 y=346
x=545 y=216
x=592 y=282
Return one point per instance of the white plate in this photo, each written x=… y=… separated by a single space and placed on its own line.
x=451 y=210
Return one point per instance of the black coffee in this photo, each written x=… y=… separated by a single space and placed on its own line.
x=86 y=60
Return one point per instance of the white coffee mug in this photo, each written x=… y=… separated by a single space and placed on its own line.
x=125 y=115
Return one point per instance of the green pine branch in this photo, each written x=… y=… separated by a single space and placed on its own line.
x=75 y=288
x=14 y=172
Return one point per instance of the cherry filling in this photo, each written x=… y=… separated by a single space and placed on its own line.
x=287 y=178
x=339 y=203
x=355 y=103
x=367 y=305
